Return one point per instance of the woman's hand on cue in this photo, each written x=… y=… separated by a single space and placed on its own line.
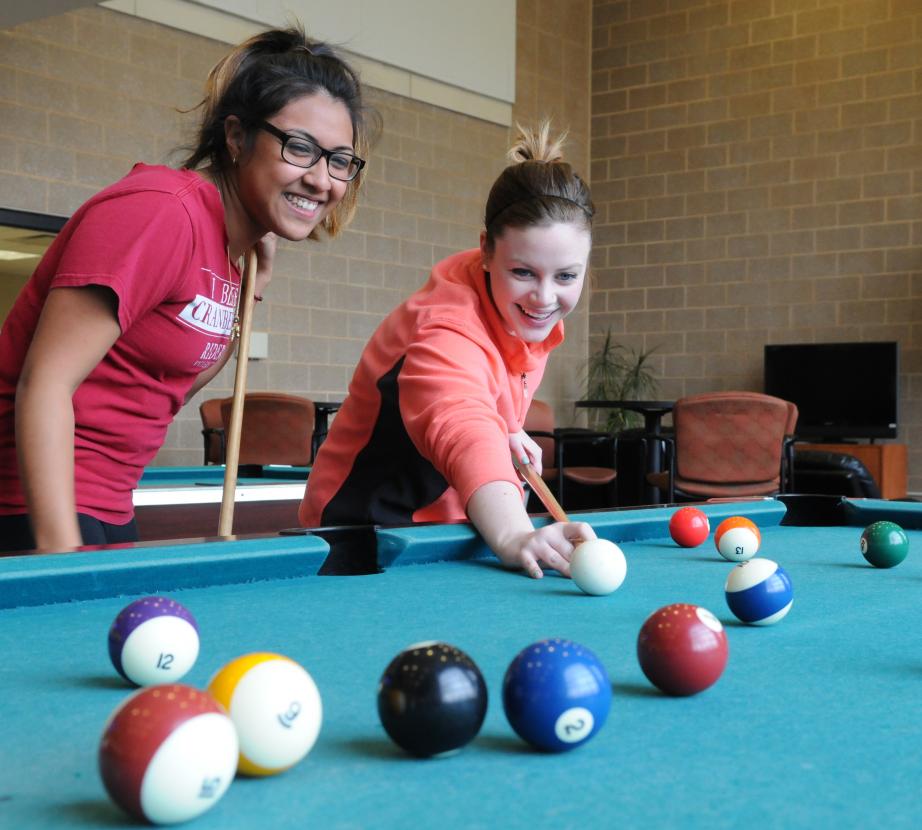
x=525 y=450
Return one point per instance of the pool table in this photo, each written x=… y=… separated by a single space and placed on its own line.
x=184 y=502
x=815 y=722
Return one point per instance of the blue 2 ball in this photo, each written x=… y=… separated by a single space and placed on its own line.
x=556 y=695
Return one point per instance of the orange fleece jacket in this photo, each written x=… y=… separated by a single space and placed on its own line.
x=438 y=390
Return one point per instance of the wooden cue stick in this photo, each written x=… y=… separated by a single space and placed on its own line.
x=547 y=497
x=234 y=428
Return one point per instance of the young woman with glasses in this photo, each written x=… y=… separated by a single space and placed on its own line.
x=132 y=309
x=436 y=407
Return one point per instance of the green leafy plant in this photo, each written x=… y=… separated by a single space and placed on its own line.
x=617 y=373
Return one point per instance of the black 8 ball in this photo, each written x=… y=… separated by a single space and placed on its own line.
x=432 y=699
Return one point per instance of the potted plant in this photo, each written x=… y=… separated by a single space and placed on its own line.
x=615 y=372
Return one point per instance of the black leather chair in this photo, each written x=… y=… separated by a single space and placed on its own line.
x=632 y=464
x=832 y=474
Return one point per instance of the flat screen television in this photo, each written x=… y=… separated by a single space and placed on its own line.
x=843 y=391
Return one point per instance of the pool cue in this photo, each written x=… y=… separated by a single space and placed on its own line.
x=537 y=484
x=234 y=428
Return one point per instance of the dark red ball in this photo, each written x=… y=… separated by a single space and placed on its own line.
x=689 y=527
x=168 y=753
x=682 y=649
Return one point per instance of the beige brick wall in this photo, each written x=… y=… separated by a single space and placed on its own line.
x=85 y=94
x=758 y=169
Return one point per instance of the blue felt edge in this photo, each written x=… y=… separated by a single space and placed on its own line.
x=907 y=514
x=441 y=543
x=186 y=476
x=66 y=577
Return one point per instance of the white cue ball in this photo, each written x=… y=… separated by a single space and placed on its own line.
x=598 y=567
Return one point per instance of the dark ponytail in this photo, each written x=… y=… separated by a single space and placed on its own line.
x=538 y=188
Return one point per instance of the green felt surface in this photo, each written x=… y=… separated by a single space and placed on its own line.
x=814 y=724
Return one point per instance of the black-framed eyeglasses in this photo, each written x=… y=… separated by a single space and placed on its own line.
x=303 y=152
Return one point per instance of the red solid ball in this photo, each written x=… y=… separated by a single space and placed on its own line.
x=689 y=527
x=682 y=649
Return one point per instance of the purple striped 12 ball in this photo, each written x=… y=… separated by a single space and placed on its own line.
x=759 y=592
x=153 y=640
x=556 y=695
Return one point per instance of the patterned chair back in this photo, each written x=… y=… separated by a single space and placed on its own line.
x=213 y=430
x=540 y=418
x=277 y=428
x=731 y=443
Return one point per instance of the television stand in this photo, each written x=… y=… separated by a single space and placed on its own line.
x=887 y=464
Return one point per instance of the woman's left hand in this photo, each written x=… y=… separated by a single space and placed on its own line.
x=265 y=255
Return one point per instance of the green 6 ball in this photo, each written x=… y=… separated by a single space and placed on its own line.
x=884 y=544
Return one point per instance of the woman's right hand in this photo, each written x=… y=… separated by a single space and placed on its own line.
x=497 y=511
x=549 y=546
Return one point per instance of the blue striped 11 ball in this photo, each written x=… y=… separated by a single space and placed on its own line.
x=556 y=695
x=759 y=592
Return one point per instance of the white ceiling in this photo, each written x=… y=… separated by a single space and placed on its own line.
x=13 y=12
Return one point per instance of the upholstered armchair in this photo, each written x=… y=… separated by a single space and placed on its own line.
x=277 y=428
x=728 y=445
x=212 y=430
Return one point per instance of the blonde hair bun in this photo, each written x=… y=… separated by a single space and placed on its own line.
x=536 y=144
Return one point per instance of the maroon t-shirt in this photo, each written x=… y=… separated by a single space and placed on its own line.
x=157 y=239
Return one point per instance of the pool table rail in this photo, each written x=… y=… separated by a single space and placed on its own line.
x=131 y=569
x=94 y=573
x=421 y=544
